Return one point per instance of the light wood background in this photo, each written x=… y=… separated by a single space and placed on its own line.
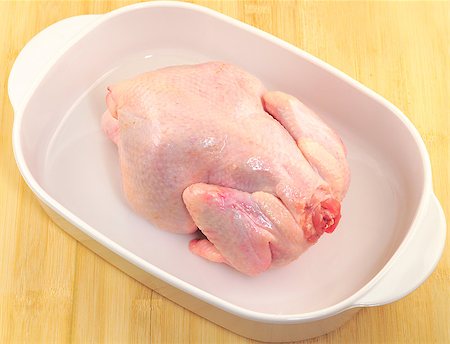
x=53 y=289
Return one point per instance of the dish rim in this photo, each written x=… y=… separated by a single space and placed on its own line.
x=345 y=304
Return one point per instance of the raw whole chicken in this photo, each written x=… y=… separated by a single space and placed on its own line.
x=207 y=147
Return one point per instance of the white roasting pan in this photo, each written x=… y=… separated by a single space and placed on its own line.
x=392 y=231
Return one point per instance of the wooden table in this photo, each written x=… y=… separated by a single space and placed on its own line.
x=53 y=289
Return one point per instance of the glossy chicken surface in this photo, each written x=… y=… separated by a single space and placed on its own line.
x=207 y=147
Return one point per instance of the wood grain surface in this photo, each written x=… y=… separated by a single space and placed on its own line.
x=52 y=289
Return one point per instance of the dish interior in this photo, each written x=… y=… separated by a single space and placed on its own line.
x=73 y=161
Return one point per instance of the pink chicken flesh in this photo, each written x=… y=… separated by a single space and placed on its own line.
x=207 y=147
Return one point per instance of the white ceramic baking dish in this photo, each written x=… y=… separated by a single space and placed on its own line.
x=393 y=229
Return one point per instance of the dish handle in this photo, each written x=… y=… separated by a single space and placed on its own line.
x=37 y=53
x=415 y=264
